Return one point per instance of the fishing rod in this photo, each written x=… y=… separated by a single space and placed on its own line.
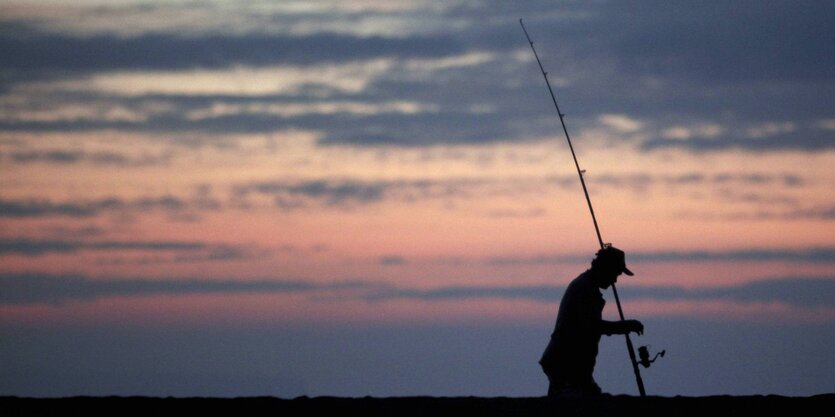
x=580 y=173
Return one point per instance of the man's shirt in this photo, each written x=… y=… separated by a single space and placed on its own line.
x=572 y=351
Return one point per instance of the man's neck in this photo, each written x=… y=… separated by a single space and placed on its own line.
x=597 y=277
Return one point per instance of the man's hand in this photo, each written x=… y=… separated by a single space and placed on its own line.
x=632 y=326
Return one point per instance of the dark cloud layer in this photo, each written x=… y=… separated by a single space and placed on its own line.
x=666 y=63
x=56 y=289
x=383 y=129
x=186 y=250
x=32 y=50
x=813 y=255
x=350 y=192
x=20 y=208
x=34 y=288
x=330 y=193
x=801 y=291
x=816 y=255
x=42 y=208
x=67 y=157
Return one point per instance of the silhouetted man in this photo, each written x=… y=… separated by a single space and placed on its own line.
x=569 y=359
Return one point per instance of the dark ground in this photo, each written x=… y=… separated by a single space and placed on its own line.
x=757 y=406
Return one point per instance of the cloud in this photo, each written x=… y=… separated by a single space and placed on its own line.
x=38 y=51
x=719 y=44
x=824 y=254
x=827 y=213
x=283 y=194
x=800 y=291
x=426 y=129
x=767 y=138
x=32 y=247
x=534 y=293
x=42 y=208
x=37 y=288
x=87 y=208
x=241 y=81
x=820 y=212
x=646 y=69
x=368 y=108
x=705 y=130
x=621 y=123
x=389 y=127
x=511 y=214
x=341 y=193
x=66 y=157
x=351 y=192
x=392 y=260
x=389 y=19
x=815 y=255
x=643 y=180
x=55 y=289
x=59 y=231
x=372 y=121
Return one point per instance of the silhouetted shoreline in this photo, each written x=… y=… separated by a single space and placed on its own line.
x=399 y=406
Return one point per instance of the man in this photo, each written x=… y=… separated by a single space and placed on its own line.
x=569 y=359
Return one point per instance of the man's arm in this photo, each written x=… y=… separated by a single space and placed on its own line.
x=621 y=327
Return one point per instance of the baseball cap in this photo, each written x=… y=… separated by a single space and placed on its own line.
x=614 y=256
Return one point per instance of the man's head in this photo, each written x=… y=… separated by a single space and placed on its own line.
x=609 y=263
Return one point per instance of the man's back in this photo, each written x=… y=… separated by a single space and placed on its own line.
x=572 y=351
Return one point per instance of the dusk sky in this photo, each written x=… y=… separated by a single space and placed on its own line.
x=350 y=198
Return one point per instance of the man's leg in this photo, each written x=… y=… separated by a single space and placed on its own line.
x=555 y=387
x=591 y=388
x=562 y=389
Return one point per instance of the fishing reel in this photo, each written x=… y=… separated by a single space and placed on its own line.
x=643 y=353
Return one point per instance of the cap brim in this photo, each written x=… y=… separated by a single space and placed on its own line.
x=627 y=271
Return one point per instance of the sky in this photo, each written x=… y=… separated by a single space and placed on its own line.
x=350 y=198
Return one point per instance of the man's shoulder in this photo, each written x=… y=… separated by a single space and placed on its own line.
x=584 y=278
x=583 y=282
